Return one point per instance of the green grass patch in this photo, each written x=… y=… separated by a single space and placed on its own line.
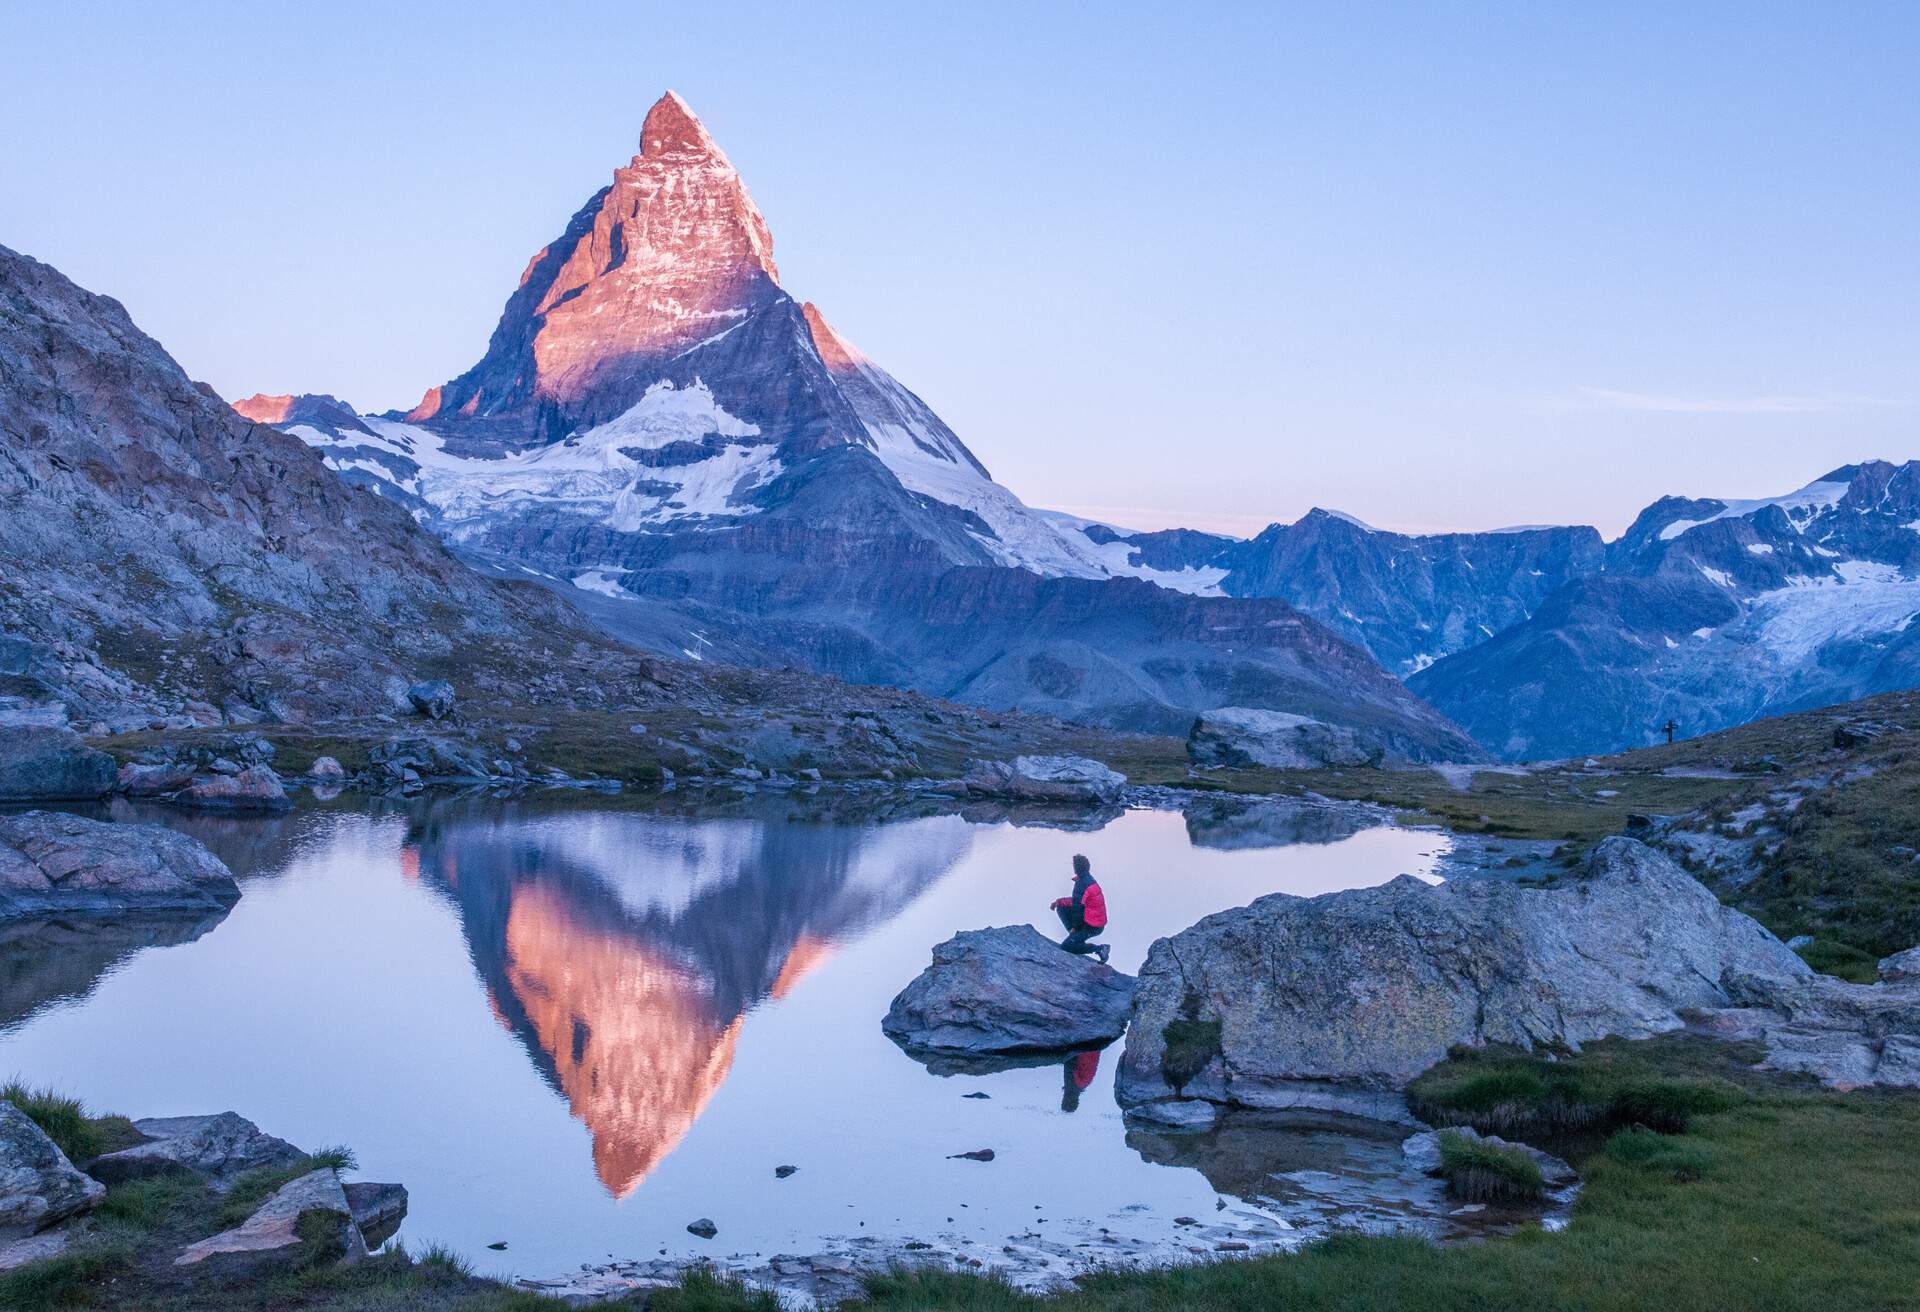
x=1481 y=1172
x=1841 y=960
x=1675 y=1157
x=158 y=1201
x=70 y=1280
x=701 y=1290
x=1511 y=1093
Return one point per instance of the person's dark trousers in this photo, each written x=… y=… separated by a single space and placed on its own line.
x=1078 y=935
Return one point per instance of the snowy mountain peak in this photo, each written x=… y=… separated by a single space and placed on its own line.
x=670 y=256
x=672 y=128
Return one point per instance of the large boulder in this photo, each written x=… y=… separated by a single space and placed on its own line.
x=1336 y=1002
x=221 y=1147
x=432 y=698
x=304 y=1214
x=1045 y=779
x=46 y=763
x=39 y=1187
x=256 y=788
x=52 y=863
x=1248 y=736
x=1006 y=990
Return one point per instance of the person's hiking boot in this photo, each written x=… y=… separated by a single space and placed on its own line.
x=1105 y=950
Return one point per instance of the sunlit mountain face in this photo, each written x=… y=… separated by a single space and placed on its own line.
x=624 y=951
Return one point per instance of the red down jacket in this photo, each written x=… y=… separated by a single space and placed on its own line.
x=1093 y=906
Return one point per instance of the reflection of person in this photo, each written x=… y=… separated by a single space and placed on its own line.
x=1084 y=913
x=1080 y=1070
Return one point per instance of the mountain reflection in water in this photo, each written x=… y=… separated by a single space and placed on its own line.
x=554 y=1017
x=624 y=950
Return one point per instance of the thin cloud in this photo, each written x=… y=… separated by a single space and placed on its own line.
x=1750 y=405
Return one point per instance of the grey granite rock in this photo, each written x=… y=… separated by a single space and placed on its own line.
x=1246 y=735
x=39 y=1187
x=221 y=1147
x=43 y=763
x=1336 y=1002
x=52 y=862
x=1045 y=779
x=1009 y=990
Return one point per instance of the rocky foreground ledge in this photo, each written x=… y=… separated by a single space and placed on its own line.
x=46 y=1201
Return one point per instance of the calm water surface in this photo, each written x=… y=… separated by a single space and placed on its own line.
x=577 y=1028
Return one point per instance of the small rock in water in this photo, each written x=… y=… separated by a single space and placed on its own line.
x=1231 y=1246
x=1185 y=1220
x=498 y=1245
x=704 y=1228
x=976 y=1095
x=977 y=1155
x=782 y=1172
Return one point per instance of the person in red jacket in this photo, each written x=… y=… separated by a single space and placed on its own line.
x=1084 y=913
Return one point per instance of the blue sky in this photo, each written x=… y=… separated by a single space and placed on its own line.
x=1440 y=266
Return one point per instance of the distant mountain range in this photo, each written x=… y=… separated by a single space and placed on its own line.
x=663 y=434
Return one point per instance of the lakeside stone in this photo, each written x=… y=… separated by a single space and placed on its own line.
x=1337 y=1002
x=256 y=788
x=39 y=1187
x=1045 y=779
x=46 y=763
x=221 y=1147
x=52 y=862
x=1009 y=990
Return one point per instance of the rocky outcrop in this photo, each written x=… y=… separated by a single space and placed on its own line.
x=164 y=559
x=1901 y=966
x=1338 y=1001
x=1246 y=735
x=221 y=1147
x=256 y=788
x=1008 y=990
x=39 y=1187
x=1045 y=779
x=54 y=863
x=45 y=763
x=304 y=1215
x=1847 y=1036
